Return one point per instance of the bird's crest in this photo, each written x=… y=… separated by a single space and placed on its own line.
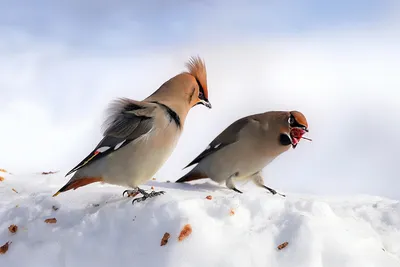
x=197 y=68
x=299 y=117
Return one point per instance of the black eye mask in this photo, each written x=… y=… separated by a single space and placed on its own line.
x=293 y=123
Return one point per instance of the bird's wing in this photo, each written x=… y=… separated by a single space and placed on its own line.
x=228 y=136
x=127 y=120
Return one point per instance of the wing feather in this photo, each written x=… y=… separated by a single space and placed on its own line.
x=127 y=120
x=228 y=136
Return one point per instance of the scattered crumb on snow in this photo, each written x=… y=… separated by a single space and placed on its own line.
x=51 y=220
x=320 y=231
x=164 y=239
x=13 y=228
x=185 y=232
x=4 y=248
x=283 y=245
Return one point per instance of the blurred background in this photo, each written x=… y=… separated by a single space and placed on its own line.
x=338 y=62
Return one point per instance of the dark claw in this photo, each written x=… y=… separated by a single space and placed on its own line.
x=141 y=191
x=273 y=191
x=237 y=190
x=154 y=194
x=139 y=199
x=147 y=195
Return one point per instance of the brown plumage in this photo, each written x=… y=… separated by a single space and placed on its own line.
x=197 y=68
x=246 y=146
x=139 y=136
x=299 y=117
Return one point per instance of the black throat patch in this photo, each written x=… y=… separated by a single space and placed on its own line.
x=284 y=140
x=173 y=116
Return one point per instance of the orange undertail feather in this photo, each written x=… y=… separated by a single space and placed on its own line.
x=191 y=177
x=78 y=183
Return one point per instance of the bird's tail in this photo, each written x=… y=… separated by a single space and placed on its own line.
x=74 y=184
x=191 y=176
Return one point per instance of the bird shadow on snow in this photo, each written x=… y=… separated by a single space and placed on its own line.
x=200 y=187
x=105 y=198
x=170 y=189
x=108 y=198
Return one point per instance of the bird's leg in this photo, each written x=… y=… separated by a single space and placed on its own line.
x=146 y=195
x=229 y=183
x=259 y=181
x=131 y=193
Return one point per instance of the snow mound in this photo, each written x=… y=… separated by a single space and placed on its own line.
x=96 y=226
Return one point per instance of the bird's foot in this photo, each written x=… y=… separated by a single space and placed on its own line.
x=146 y=195
x=237 y=190
x=130 y=193
x=273 y=191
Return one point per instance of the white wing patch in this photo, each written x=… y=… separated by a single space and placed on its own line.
x=209 y=147
x=105 y=148
x=119 y=145
x=102 y=149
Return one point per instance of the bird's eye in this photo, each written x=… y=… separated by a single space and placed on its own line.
x=201 y=95
x=291 y=120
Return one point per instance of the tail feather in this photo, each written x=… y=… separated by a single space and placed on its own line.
x=78 y=183
x=191 y=176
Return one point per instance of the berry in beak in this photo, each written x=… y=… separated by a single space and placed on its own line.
x=296 y=134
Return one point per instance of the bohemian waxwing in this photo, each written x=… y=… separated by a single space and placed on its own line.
x=244 y=148
x=139 y=136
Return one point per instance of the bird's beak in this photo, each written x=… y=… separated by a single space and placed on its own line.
x=296 y=134
x=294 y=142
x=205 y=102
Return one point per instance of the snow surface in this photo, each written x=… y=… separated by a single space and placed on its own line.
x=96 y=226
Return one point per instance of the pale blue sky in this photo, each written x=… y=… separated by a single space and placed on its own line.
x=98 y=23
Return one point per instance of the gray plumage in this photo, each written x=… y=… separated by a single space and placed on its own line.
x=139 y=136
x=136 y=127
x=245 y=147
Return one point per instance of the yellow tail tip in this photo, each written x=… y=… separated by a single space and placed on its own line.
x=56 y=194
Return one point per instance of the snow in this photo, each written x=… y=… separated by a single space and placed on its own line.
x=96 y=226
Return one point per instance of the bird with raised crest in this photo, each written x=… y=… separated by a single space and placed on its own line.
x=139 y=136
